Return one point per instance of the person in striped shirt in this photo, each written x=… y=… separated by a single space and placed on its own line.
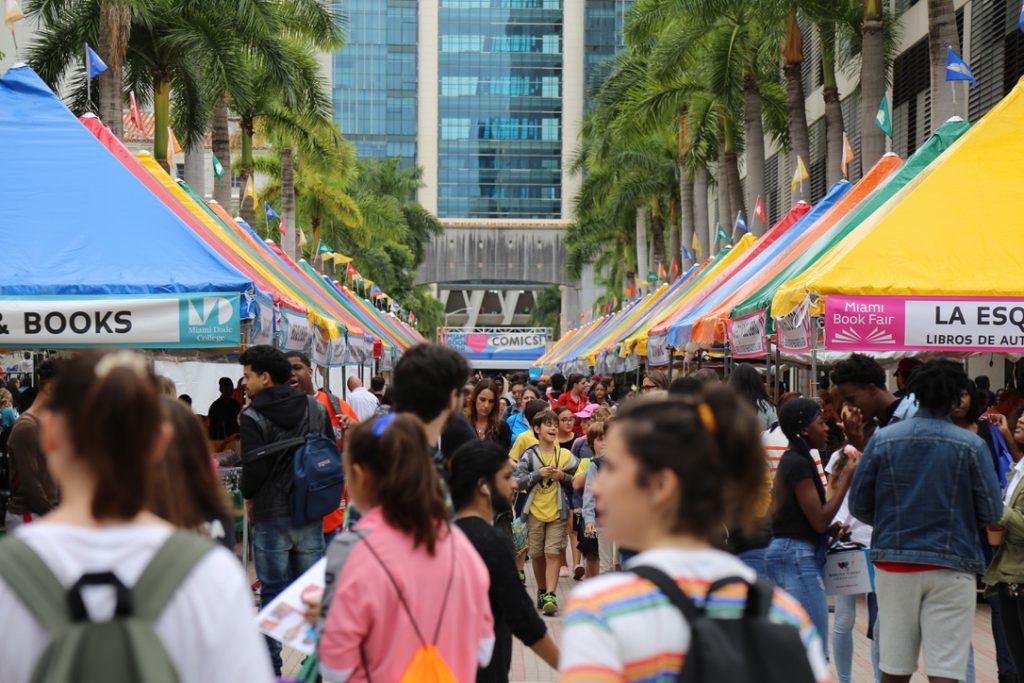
x=674 y=472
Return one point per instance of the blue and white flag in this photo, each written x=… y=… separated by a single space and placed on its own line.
x=270 y=211
x=957 y=69
x=94 y=66
x=1020 y=22
x=687 y=255
x=741 y=222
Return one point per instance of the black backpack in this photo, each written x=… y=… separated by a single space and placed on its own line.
x=744 y=650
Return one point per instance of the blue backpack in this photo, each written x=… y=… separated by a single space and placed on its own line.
x=318 y=477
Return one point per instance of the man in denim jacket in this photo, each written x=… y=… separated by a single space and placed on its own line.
x=926 y=486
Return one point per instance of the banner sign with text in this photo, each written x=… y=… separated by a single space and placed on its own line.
x=747 y=338
x=794 y=330
x=657 y=350
x=294 y=332
x=953 y=324
x=189 y=321
x=498 y=345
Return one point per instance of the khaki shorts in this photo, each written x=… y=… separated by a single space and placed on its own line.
x=545 y=538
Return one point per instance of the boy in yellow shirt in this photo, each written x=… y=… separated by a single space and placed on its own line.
x=540 y=472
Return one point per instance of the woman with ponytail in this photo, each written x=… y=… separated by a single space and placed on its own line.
x=402 y=581
x=104 y=431
x=675 y=472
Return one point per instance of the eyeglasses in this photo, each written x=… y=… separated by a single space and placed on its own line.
x=648 y=387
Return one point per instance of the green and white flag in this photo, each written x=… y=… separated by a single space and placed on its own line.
x=883 y=119
x=218 y=168
x=721 y=234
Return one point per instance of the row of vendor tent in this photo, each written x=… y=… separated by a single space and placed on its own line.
x=922 y=255
x=105 y=248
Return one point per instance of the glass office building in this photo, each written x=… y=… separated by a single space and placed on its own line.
x=605 y=38
x=500 y=109
x=374 y=85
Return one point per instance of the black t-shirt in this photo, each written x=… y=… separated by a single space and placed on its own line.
x=512 y=608
x=223 y=416
x=789 y=520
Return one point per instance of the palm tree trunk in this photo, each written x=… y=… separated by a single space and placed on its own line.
x=161 y=119
x=732 y=172
x=222 y=150
x=724 y=202
x=701 y=211
x=641 y=246
x=246 y=209
x=688 y=218
x=942 y=34
x=674 y=234
x=195 y=169
x=289 y=243
x=657 y=234
x=115 y=24
x=834 y=125
x=799 y=138
x=872 y=83
x=754 y=148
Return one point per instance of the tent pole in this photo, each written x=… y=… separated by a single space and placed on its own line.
x=344 y=381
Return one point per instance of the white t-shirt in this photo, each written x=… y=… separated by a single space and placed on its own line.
x=208 y=627
x=859 y=531
x=776 y=443
x=363 y=403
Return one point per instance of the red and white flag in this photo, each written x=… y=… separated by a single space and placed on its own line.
x=280 y=226
x=759 y=211
x=136 y=115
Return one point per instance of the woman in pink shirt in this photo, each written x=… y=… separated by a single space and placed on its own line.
x=402 y=578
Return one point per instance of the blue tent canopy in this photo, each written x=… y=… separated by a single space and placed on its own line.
x=92 y=256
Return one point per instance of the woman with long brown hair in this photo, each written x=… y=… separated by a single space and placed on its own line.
x=185 y=490
x=403 y=578
x=103 y=432
x=483 y=413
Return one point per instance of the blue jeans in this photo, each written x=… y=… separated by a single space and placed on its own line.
x=282 y=553
x=794 y=567
x=842 y=638
x=754 y=558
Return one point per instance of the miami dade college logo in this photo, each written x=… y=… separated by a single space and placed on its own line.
x=211 y=310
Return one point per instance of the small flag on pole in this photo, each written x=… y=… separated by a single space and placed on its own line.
x=662 y=275
x=674 y=269
x=687 y=254
x=136 y=113
x=721 y=234
x=957 y=69
x=848 y=155
x=759 y=213
x=218 y=168
x=281 y=227
x=12 y=14
x=800 y=173
x=172 y=146
x=250 y=191
x=1020 y=21
x=741 y=222
x=269 y=211
x=94 y=66
x=302 y=238
x=883 y=119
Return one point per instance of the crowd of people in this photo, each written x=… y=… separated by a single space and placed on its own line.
x=670 y=503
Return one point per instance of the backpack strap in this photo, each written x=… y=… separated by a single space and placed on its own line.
x=671 y=590
x=173 y=562
x=32 y=581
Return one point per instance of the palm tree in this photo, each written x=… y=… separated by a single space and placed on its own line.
x=872 y=82
x=942 y=34
x=793 y=58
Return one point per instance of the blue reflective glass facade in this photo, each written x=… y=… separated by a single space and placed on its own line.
x=500 y=109
x=603 y=39
x=375 y=73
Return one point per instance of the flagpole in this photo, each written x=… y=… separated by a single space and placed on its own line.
x=88 y=81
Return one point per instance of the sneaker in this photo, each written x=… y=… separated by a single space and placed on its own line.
x=550 y=607
x=578 y=573
x=522 y=578
x=564 y=571
x=541 y=595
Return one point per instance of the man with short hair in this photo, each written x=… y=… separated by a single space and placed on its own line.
x=427 y=382
x=902 y=374
x=223 y=413
x=377 y=386
x=278 y=412
x=33 y=491
x=342 y=418
x=362 y=401
x=860 y=381
x=517 y=388
x=926 y=486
